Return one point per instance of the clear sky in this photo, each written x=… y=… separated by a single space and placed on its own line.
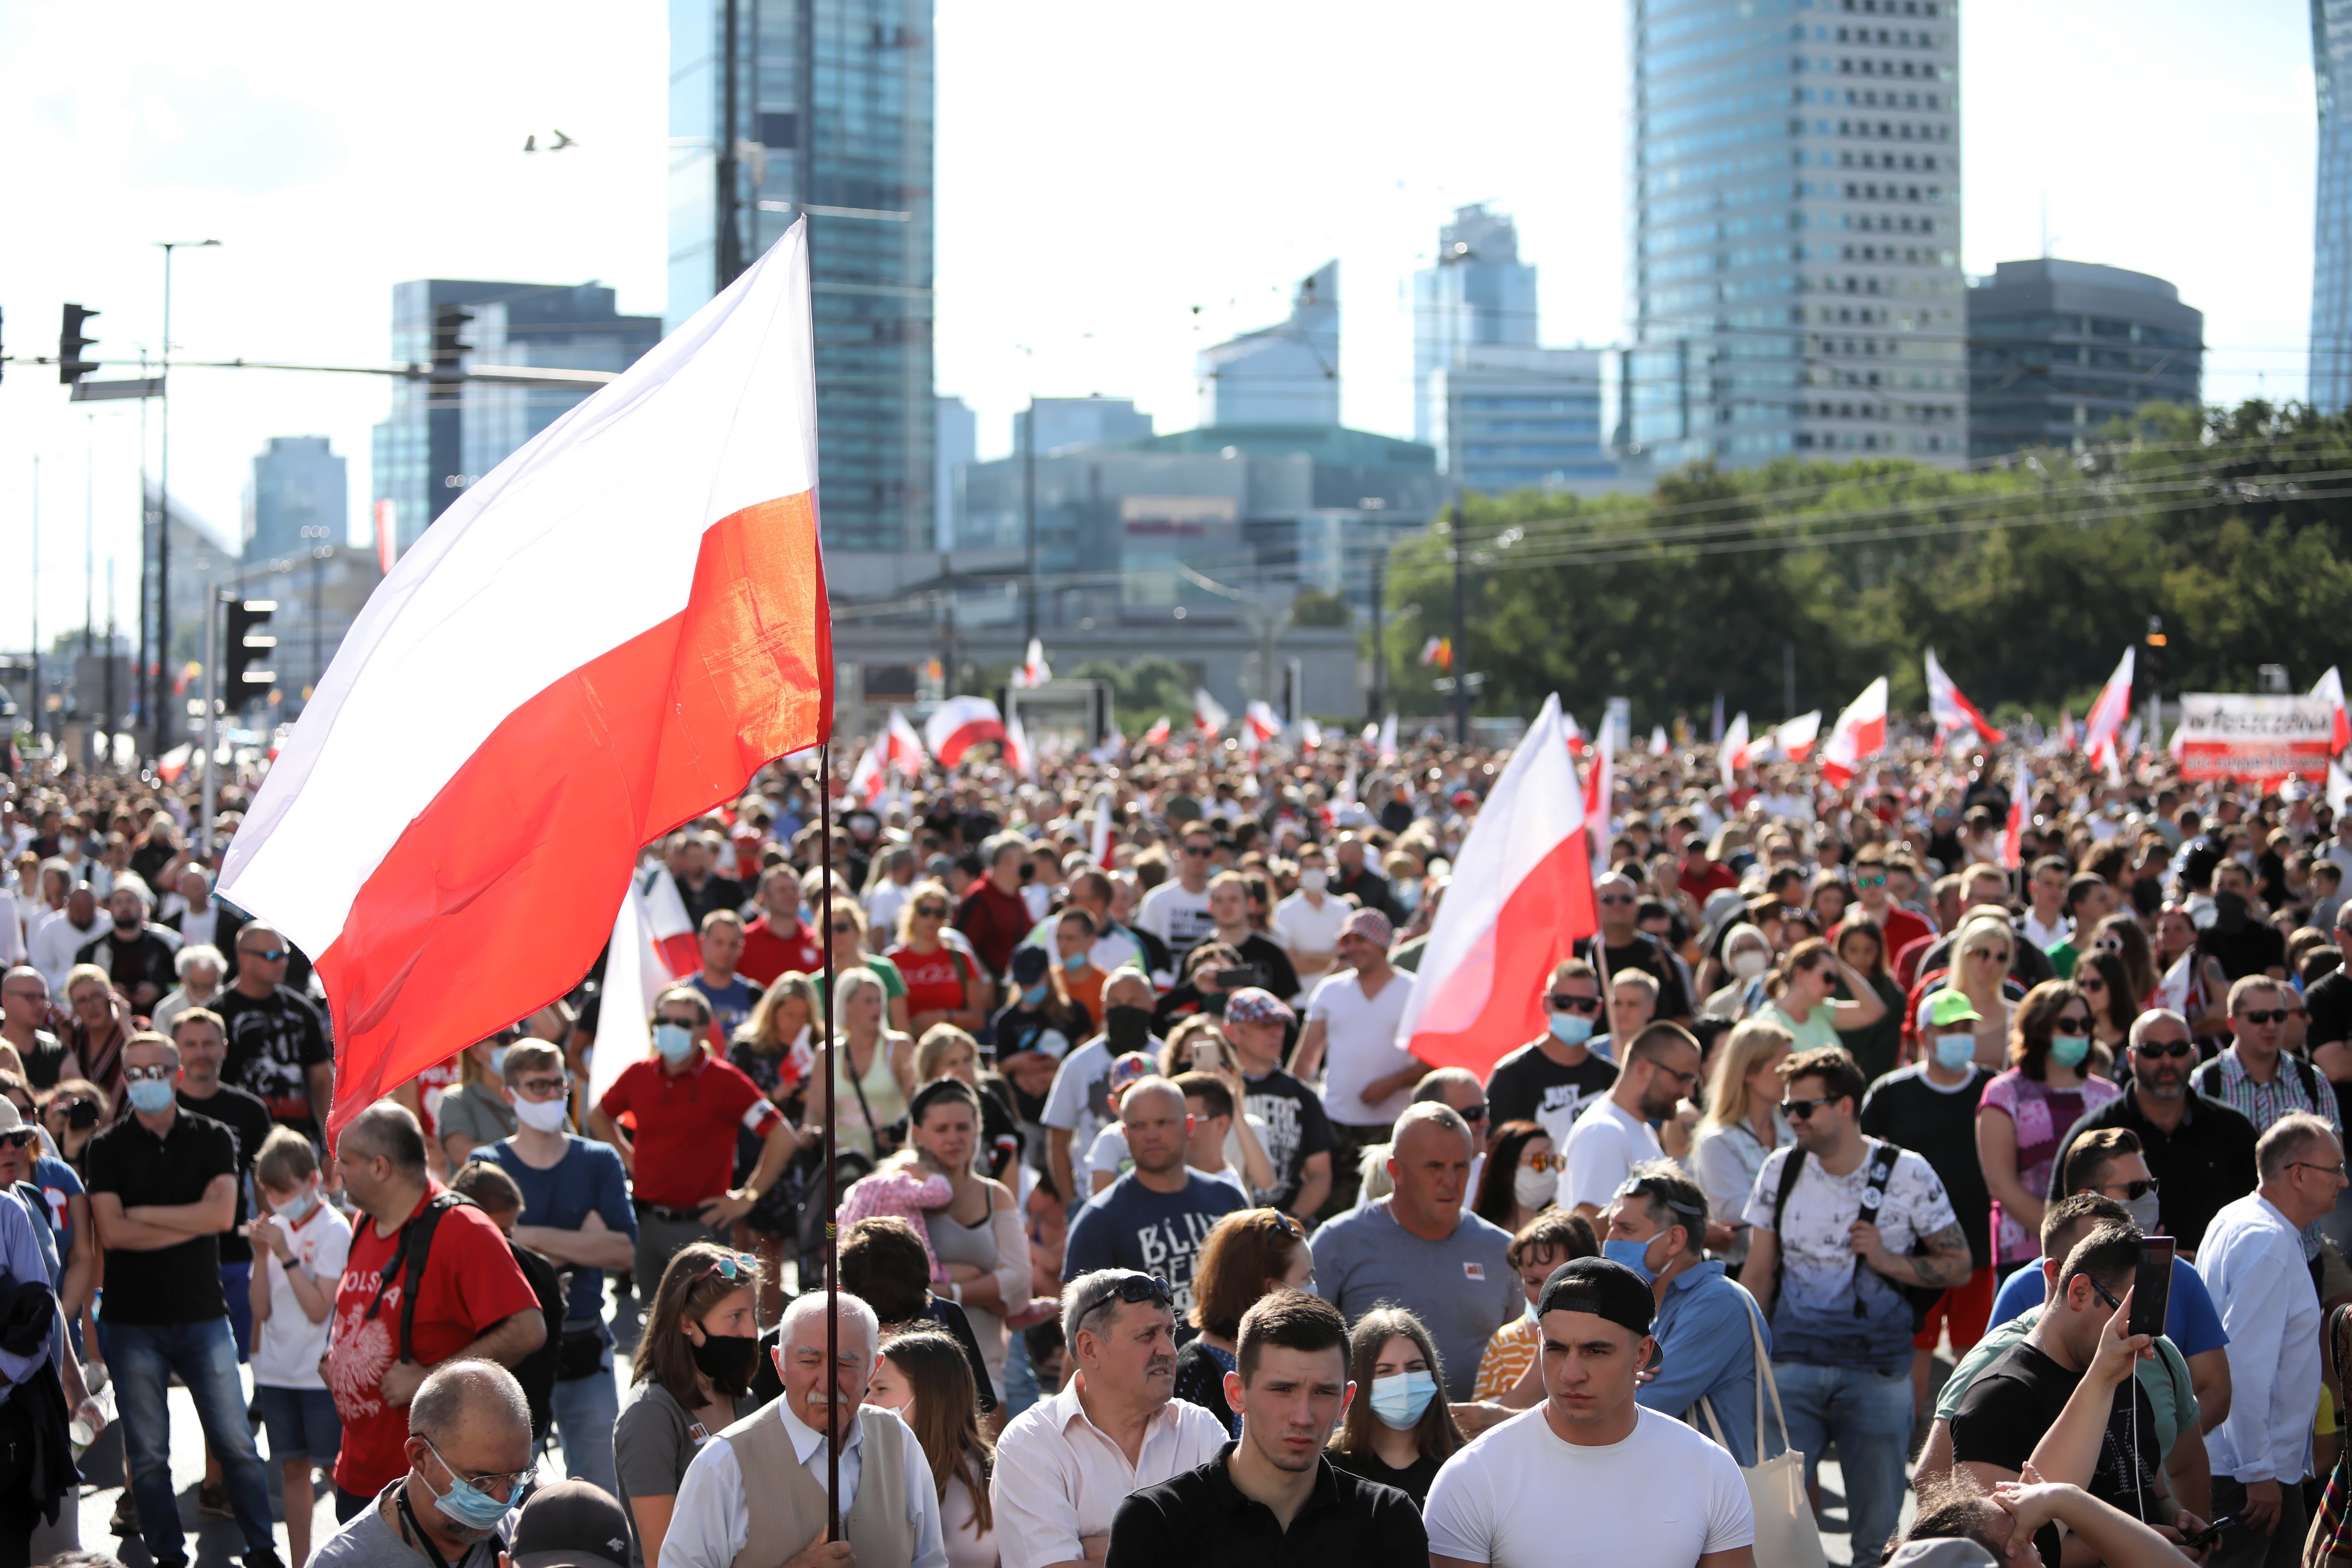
x=1118 y=184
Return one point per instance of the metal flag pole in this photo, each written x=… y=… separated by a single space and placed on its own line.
x=831 y=1168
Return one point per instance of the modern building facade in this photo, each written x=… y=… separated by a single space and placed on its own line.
x=1287 y=373
x=2056 y=349
x=2331 y=233
x=1520 y=419
x=298 y=484
x=1478 y=295
x=1062 y=422
x=1795 y=200
x=833 y=122
x=440 y=439
x=955 y=446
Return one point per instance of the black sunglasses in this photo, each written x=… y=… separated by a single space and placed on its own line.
x=2132 y=1191
x=266 y=954
x=2153 y=1048
x=2077 y=1025
x=1802 y=1110
x=2264 y=1015
x=1130 y=1289
x=1561 y=1003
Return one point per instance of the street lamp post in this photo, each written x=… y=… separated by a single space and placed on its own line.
x=164 y=507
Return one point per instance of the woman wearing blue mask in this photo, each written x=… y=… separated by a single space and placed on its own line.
x=1398 y=1430
x=2053 y=1078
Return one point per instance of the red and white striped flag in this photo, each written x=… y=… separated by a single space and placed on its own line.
x=1259 y=720
x=959 y=724
x=1860 y=732
x=1731 y=755
x=2012 y=835
x=2330 y=690
x=1208 y=716
x=450 y=827
x=2105 y=722
x=1019 y=754
x=1521 y=897
x=1794 y=738
x=1577 y=745
x=871 y=777
x=1034 y=671
x=1158 y=734
x=1600 y=792
x=1951 y=709
x=901 y=746
x=653 y=924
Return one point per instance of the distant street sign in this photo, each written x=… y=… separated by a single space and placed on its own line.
x=104 y=391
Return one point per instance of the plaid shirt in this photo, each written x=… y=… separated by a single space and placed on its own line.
x=2264 y=1104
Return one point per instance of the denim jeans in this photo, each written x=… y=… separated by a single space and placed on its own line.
x=1868 y=1415
x=143 y=1357
x=586 y=1411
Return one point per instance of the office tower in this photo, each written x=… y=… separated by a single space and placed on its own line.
x=297 y=485
x=1519 y=418
x=1063 y=422
x=852 y=153
x=1287 y=373
x=2056 y=349
x=1479 y=294
x=439 y=440
x=2331 y=231
x=956 y=445
x=1795 y=199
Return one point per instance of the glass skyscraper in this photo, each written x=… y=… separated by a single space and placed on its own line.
x=833 y=119
x=2331 y=230
x=1796 y=203
x=1479 y=295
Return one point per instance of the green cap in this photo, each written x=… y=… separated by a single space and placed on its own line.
x=1945 y=1008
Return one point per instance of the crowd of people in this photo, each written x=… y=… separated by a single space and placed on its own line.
x=1855 y=1129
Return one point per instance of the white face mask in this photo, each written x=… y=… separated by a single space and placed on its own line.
x=540 y=1115
x=1748 y=963
x=1534 y=1188
x=1314 y=880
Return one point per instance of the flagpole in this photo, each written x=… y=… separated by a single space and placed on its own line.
x=831 y=1168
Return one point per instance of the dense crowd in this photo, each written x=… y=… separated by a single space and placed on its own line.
x=1858 y=1128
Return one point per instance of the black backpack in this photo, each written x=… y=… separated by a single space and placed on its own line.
x=536 y=1373
x=2207 y=1079
x=1883 y=1155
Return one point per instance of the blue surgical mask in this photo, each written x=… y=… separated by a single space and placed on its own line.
x=675 y=1041
x=292 y=1212
x=2068 y=1050
x=151 y=1095
x=1955 y=1051
x=1634 y=1254
x=467 y=1506
x=1570 y=1029
x=1399 y=1398
x=498 y=1061
x=1075 y=960
x=1033 y=994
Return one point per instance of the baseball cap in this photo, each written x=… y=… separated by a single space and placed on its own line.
x=1945 y=1008
x=1601 y=1287
x=1370 y=925
x=570 y=1524
x=1029 y=965
x=1130 y=1068
x=1256 y=1004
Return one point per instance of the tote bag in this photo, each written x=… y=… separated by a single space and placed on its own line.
x=1786 y=1535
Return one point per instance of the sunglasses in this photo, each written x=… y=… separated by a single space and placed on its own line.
x=931 y=912
x=1545 y=1161
x=2264 y=1015
x=1198 y=852
x=2132 y=1191
x=1618 y=898
x=1802 y=1110
x=159 y=1073
x=736 y=1266
x=18 y=1139
x=266 y=954
x=843 y=930
x=2154 y=1048
x=1563 y=1003
x=2075 y=1024
x=1870 y=881
x=1129 y=1287
x=1473 y=1112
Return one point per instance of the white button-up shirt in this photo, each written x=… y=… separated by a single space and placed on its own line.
x=710 y=1521
x=1060 y=1477
x=2252 y=1263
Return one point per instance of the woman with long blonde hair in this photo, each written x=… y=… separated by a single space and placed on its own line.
x=1742 y=1125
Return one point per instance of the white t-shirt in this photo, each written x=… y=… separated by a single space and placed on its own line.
x=1360 y=1045
x=1178 y=917
x=291 y=1344
x=1607 y=1142
x=1672 y=1497
x=1299 y=926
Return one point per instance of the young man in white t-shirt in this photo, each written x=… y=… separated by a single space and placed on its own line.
x=1351 y=1038
x=1308 y=924
x=1674 y=1498
x=1612 y=1134
x=1177 y=911
x=299 y=1249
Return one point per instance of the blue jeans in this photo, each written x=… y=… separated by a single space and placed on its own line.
x=1868 y=1415
x=143 y=1357
x=586 y=1411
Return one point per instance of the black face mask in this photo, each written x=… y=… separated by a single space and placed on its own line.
x=727 y=1360
x=1127 y=1028
x=2230 y=913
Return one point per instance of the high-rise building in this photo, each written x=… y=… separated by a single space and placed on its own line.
x=1063 y=422
x=298 y=484
x=1478 y=295
x=1796 y=199
x=2331 y=231
x=1287 y=373
x=440 y=439
x=1520 y=419
x=955 y=448
x=834 y=120
x=2056 y=349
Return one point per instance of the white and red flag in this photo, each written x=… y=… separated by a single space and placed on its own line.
x=959 y=724
x=653 y=925
x=1034 y=671
x=1860 y=732
x=901 y=747
x=1208 y=716
x=1018 y=755
x=1388 y=741
x=1794 y=738
x=871 y=777
x=2330 y=690
x=1521 y=897
x=1258 y=720
x=1659 y=746
x=450 y=827
x=1950 y=708
x=1577 y=745
x=1158 y=734
x=2104 y=723
x=1600 y=792
x=2021 y=805
x=1731 y=754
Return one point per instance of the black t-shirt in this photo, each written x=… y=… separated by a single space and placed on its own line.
x=273 y=1043
x=1281 y=977
x=2014 y=1402
x=1644 y=954
x=1529 y=1086
x=2329 y=1004
x=45 y=1061
x=177 y=1284
x=1295 y=1126
x=141 y=958
x=1414 y=1480
x=1938 y=1123
x=716 y=893
x=249 y=1122
x=2251 y=949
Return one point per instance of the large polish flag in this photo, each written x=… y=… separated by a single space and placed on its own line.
x=959 y=724
x=1860 y=732
x=1951 y=709
x=451 y=825
x=1521 y=899
x=2330 y=690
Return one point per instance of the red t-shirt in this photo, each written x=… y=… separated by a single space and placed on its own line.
x=1903 y=928
x=934 y=980
x=767 y=955
x=995 y=920
x=471 y=1284
x=685 y=1126
x=1705 y=879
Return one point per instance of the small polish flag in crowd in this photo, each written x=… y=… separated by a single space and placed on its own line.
x=653 y=925
x=2330 y=690
x=1019 y=754
x=2104 y=725
x=1658 y=745
x=1387 y=744
x=1520 y=899
x=1258 y=720
x=959 y=724
x=1577 y=744
x=1310 y=733
x=1795 y=738
x=1034 y=671
x=1951 y=709
x=1599 y=792
x=1158 y=734
x=1208 y=716
x=1732 y=754
x=901 y=746
x=1437 y=653
x=673 y=515
x=2020 y=799
x=1860 y=732
x=871 y=776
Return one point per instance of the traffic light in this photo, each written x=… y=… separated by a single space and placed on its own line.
x=449 y=342
x=242 y=642
x=71 y=340
x=2156 y=649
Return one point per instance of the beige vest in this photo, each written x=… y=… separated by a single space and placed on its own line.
x=787 y=1504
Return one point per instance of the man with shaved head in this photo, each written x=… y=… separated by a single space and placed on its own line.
x=276 y=1042
x=468 y=1451
x=1154 y=1218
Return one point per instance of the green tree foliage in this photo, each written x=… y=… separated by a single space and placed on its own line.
x=1143 y=689
x=1312 y=608
x=2028 y=578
